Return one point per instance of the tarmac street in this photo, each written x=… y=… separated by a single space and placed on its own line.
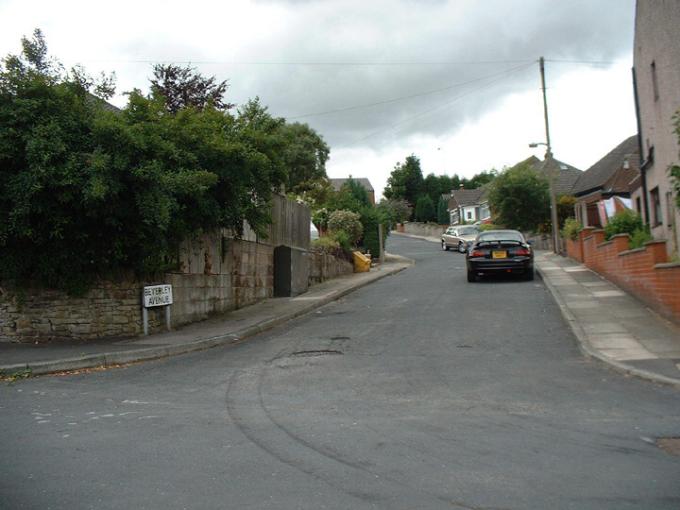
x=419 y=390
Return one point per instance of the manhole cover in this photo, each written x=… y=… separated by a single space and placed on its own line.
x=669 y=445
x=309 y=354
x=464 y=346
x=340 y=338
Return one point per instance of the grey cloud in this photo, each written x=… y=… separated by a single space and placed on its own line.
x=437 y=43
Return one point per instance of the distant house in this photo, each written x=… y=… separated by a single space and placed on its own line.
x=566 y=174
x=604 y=188
x=656 y=67
x=469 y=205
x=472 y=205
x=363 y=181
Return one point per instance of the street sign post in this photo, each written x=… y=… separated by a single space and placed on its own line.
x=153 y=296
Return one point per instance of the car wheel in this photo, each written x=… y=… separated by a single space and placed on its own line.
x=444 y=247
x=472 y=277
x=461 y=247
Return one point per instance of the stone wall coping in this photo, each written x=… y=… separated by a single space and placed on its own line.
x=667 y=265
x=605 y=243
x=632 y=251
x=620 y=235
x=655 y=241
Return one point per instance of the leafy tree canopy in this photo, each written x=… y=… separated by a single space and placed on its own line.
x=425 y=210
x=519 y=198
x=406 y=181
x=305 y=156
x=86 y=191
x=182 y=87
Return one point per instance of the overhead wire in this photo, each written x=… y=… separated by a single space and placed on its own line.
x=447 y=104
x=400 y=98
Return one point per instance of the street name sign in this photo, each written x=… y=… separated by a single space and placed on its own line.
x=157 y=295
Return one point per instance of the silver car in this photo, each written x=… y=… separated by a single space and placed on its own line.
x=459 y=237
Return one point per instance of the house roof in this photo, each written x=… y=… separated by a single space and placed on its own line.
x=567 y=175
x=338 y=183
x=468 y=197
x=609 y=173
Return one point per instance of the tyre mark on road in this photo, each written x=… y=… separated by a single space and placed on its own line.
x=245 y=406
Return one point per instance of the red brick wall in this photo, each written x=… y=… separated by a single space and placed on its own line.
x=643 y=272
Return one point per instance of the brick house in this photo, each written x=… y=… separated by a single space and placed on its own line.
x=338 y=183
x=604 y=188
x=656 y=71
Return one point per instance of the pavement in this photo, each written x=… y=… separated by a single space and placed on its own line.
x=26 y=359
x=609 y=324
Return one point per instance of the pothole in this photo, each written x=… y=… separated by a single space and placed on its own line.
x=340 y=338
x=464 y=346
x=322 y=352
x=669 y=445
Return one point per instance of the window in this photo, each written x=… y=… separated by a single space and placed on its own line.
x=655 y=83
x=656 y=207
x=469 y=215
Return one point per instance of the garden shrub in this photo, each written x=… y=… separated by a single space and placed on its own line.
x=624 y=222
x=571 y=229
x=348 y=222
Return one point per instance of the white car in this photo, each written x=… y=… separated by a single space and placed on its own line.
x=459 y=237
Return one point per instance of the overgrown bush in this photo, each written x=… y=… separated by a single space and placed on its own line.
x=638 y=238
x=86 y=191
x=624 y=222
x=571 y=229
x=348 y=222
x=371 y=218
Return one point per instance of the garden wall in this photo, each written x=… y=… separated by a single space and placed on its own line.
x=423 y=229
x=644 y=272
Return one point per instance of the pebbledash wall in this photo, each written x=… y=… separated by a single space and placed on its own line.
x=644 y=272
x=217 y=273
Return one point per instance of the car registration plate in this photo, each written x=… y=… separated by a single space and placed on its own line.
x=500 y=254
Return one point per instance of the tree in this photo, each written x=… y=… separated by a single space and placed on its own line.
x=405 y=181
x=424 y=209
x=395 y=210
x=443 y=217
x=87 y=192
x=357 y=191
x=183 y=87
x=519 y=198
x=305 y=155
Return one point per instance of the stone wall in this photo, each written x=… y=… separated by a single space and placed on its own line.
x=222 y=275
x=423 y=229
x=325 y=266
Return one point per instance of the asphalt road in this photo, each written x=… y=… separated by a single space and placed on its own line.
x=421 y=391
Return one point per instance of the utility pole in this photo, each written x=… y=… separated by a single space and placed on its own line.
x=549 y=163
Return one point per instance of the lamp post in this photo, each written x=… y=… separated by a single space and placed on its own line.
x=549 y=163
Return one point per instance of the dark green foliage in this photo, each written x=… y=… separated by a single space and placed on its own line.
x=443 y=217
x=519 y=198
x=86 y=192
x=371 y=218
x=357 y=192
x=396 y=210
x=405 y=181
x=182 y=87
x=425 y=209
x=639 y=238
x=624 y=222
x=305 y=156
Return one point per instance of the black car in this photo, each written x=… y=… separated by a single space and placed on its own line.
x=500 y=252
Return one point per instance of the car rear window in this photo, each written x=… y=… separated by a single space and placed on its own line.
x=468 y=231
x=501 y=236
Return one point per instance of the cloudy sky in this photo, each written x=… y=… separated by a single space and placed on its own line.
x=454 y=82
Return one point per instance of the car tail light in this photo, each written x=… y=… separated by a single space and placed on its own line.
x=477 y=253
x=522 y=252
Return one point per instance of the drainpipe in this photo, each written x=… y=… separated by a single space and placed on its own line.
x=643 y=162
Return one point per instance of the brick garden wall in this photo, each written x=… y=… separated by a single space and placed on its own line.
x=644 y=272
